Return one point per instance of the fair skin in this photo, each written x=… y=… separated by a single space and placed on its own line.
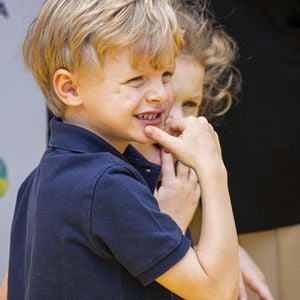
x=119 y=105
x=118 y=102
x=3 y=288
x=183 y=181
x=187 y=86
x=211 y=271
x=131 y=106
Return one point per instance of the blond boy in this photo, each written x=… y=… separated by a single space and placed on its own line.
x=86 y=224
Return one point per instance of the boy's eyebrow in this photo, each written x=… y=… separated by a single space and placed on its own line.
x=142 y=67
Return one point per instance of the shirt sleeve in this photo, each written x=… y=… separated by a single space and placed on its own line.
x=126 y=221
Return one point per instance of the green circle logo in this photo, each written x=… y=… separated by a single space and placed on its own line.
x=3 y=178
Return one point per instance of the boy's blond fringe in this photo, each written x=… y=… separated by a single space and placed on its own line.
x=76 y=34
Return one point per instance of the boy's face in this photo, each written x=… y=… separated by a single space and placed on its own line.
x=121 y=101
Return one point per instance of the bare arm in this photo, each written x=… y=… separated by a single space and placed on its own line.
x=3 y=288
x=253 y=277
x=250 y=274
x=212 y=271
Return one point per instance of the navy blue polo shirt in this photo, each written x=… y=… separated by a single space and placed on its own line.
x=87 y=226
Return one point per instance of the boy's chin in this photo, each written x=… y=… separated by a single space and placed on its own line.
x=154 y=154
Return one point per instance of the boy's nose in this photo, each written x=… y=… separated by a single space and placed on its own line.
x=158 y=93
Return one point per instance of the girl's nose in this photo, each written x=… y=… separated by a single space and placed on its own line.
x=176 y=111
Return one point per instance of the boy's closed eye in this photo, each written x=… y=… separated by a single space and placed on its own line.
x=135 y=81
x=139 y=80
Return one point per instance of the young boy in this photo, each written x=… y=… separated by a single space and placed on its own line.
x=86 y=224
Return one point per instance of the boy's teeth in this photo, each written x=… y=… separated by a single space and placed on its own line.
x=147 y=117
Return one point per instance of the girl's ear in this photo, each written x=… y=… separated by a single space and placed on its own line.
x=65 y=86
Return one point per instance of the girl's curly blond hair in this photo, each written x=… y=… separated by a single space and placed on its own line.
x=209 y=44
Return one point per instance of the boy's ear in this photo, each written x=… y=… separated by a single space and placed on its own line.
x=65 y=86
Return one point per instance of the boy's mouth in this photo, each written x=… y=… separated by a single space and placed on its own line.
x=148 y=116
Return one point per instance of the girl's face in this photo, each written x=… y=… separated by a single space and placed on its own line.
x=187 y=84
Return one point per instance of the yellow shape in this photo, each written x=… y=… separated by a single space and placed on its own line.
x=3 y=186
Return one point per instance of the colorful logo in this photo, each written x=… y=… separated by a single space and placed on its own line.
x=3 y=178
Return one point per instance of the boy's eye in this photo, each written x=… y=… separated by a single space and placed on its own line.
x=167 y=77
x=136 y=80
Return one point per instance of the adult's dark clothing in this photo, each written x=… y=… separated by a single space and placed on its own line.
x=260 y=135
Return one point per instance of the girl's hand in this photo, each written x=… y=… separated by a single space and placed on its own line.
x=179 y=193
x=252 y=276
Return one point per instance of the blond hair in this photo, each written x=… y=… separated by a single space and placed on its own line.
x=211 y=46
x=75 y=35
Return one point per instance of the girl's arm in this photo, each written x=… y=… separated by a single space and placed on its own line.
x=252 y=276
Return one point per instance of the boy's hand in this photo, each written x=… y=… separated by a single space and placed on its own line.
x=179 y=193
x=193 y=141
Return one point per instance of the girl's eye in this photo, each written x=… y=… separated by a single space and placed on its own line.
x=190 y=104
x=190 y=108
x=167 y=77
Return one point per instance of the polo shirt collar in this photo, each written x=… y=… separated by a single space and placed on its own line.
x=149 y=170
x=77 y=139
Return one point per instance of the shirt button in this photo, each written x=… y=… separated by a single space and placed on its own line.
x=148 y=170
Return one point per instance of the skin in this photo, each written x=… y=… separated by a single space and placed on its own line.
x=211 y=270
x=187 y=90
x=183 y=181
x=187 y=84
x=124 y=105
x=3 y=288
x=118 y=102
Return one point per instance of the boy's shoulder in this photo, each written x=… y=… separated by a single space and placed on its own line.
x=76 y=155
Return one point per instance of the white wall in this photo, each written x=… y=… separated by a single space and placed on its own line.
x=23 y=124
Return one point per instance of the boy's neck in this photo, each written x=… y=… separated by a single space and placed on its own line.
x=120 y=146
x=150 y=151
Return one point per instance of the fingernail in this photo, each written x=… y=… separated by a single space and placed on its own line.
x=148 y=130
